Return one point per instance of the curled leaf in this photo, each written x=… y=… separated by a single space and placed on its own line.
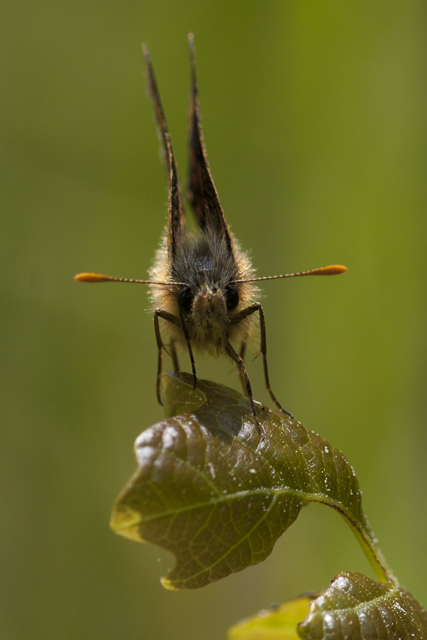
x=217 y=495
x=359 y=608
x=353 y=607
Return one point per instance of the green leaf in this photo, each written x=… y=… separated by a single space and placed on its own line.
x=353 y=607
x=359 y=608
x=271 y=624
x=217 y=495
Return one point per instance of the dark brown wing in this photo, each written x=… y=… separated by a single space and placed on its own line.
x=176 y=224
x=201 y=190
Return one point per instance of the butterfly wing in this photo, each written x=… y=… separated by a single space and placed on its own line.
x=201 y=191
x=176 y=222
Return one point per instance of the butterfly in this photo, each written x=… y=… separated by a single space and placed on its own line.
x=203 y=286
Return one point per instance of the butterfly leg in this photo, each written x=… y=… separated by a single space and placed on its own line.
x=190 y=350
x=240 y=316
x=174 y=356
x=242 y=355
x=244 y=375
x=264 y=361
x=161 y=313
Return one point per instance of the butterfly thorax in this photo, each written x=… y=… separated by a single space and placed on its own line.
x=210 y=299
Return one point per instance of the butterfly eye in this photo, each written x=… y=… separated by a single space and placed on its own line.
x=185 y=299
x=231 y=299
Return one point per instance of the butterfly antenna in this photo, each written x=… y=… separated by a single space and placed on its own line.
x=99 y=277
x=331 y=270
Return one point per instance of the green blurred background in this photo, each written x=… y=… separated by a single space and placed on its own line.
x=315 y=124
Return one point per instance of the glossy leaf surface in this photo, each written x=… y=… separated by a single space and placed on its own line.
x=358 y=608
x=354 y=607
x=216 y=494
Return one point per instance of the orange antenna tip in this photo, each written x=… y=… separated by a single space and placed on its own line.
x=331 y=270
x=92 y=277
